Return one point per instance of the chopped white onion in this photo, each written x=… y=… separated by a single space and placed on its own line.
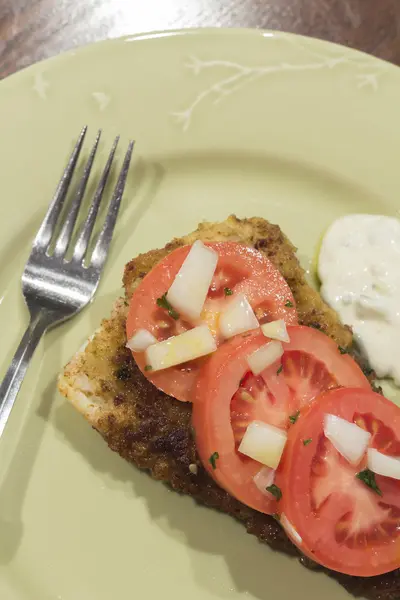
x=264 y=478
x=189 y=289
x=290 y=530
x=263 y=443
x=237 y=317
x=141 y=340
x=193 y=468
x=179 y=349
x=381 y=464
x=276 y=330
x=349 y=440
x=264 y=357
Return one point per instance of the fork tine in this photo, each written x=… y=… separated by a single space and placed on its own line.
x=46 y=230
x=66 y=233
x=85 y=233
x=101 y=248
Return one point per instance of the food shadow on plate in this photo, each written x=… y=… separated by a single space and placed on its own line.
x=203 y=530
x=28 y=430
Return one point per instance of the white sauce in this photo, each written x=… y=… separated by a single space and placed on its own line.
x=359 y=268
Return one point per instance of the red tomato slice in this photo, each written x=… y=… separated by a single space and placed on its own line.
x=229 y=397
x=313 y=363
x=241 y=269
x=221 y=413
x=343 y=523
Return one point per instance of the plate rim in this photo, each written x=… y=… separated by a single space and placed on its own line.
x=189 y=31
x=217 y=33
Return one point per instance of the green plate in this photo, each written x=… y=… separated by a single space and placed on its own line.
x=248 y=122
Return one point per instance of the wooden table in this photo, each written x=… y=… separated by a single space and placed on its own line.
x=31 y=30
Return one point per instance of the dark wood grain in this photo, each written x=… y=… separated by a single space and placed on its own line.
x=31 y=30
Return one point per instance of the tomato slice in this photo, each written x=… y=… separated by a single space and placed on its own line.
x=221 y=413
x=344 y=524
x=240 y=268
x=229 y=397
x=313 y=363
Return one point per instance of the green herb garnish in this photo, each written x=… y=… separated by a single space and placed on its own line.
x=306 y=442
x=212 y=460
x=163 y=303
x=275 y=491
x=279 y=370
x=368 y=477
x=289 y=304
x=148 y=368
x=228 y=291
x=293 y=418
x=342 y=350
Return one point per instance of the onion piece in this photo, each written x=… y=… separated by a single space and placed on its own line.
x=238 y=317
x=264 y=357
x=263 y=443
x=179 y=349
x=189 y=289
x=290 y=530
x=264 y=478
x=276 y=330
x=349 y=439
x=141 y=340
x=382 y=464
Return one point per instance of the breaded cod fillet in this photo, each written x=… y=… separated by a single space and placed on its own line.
x=153 y=430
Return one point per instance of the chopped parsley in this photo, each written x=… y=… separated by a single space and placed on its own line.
x=213 y=460
x=228 y=291
x=342 y=350
x=148 y=368
x=306 y=442
x=293 y=418
x=368 y=477
x=289 y=304
x=163 y=303
x=279 y=370
x=275 y=491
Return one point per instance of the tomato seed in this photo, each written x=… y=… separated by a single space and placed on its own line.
x=244 y=395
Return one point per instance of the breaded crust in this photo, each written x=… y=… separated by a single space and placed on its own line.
x=153 y=430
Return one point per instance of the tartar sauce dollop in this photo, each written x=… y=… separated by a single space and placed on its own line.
x=359 y=269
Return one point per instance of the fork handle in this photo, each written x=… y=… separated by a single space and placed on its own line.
x=13 y=378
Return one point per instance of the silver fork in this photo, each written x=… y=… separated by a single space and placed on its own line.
x=56 y=288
